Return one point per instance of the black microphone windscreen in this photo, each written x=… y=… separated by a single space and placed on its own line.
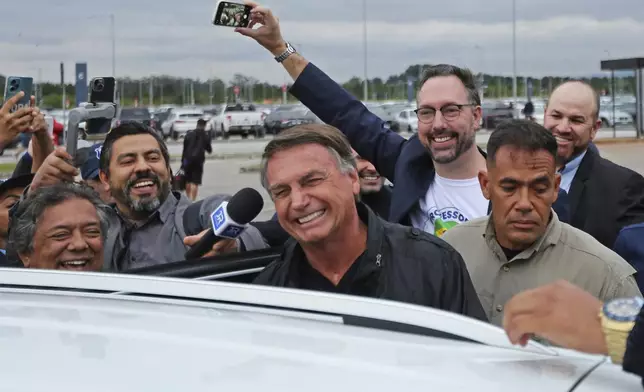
x=245 y=205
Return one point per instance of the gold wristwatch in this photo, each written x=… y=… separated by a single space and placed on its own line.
x=618 y=318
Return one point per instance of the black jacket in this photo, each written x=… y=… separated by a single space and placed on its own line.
x=379 y=202
x=634 y=355
x=605 y=197
x=400 y=263
x=195 y=145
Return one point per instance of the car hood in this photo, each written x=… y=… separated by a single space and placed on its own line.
x=69 y=342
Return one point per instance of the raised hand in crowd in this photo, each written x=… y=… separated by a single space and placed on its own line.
x=57 y=167
x=268 y=34
x=14 y=123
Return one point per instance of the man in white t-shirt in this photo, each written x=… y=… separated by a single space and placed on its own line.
x=435 y=172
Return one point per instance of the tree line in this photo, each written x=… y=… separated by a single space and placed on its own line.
x=165 y=90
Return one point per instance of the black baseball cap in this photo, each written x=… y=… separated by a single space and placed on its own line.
x=20 y=181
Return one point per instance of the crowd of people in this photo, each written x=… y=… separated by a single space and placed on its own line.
x=533 y=234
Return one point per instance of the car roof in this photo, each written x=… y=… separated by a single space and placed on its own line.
x=135 y=333
x=186 y=110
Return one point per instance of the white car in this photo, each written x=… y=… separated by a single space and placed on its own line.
x=609 y=119
x=180 y=122
x=72 y=331
x=238 y=119
x=406 y=120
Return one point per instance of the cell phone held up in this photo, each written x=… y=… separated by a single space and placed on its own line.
x=14 y=85
x=101 y=90
x=231 y=14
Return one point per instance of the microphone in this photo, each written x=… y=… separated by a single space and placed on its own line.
x=229 y=220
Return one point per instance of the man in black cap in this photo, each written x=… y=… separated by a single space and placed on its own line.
x=10 y=192
x=195 y=145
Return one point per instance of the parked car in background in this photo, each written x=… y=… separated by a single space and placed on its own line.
x=616 y=118
x=180 y=121
x=494 y=112
x=278 y=121
x=238 y=119
x=406 y=120
x=141 y=115
x=539 y=113
x=160 y=116
x=387 y=116
x=626 y=107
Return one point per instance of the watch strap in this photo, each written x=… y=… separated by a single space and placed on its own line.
x=284 y=55
x=617 y=327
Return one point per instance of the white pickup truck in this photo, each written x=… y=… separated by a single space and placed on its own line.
x=238 y=119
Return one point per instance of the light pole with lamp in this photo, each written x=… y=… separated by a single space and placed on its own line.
x=364 y=43
x=479 y=49
x=514 y=53
x=113 y=34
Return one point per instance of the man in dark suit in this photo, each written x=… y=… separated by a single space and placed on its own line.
x=604 y=197
x=630 y=245
x=435 y=172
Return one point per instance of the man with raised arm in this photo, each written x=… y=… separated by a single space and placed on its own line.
x=435 y=172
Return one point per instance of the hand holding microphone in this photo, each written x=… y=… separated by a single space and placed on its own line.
x=229 y=221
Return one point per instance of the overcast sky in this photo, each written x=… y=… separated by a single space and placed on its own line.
x=562 y=37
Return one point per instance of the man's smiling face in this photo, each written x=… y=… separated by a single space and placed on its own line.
x=139 y=176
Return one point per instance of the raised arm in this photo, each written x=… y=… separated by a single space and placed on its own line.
x=327 y=99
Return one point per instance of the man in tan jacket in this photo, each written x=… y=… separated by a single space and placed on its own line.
x=522 y=244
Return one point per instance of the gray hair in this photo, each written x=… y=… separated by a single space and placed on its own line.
x=463 y=74
x=321 y=134
x=26 y=218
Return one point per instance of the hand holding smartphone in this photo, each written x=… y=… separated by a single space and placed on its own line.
x=16 y=115
x=102 y=90
x=231 y=14
x=15 y=85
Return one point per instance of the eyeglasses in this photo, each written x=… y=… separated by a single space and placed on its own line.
x=450 y=112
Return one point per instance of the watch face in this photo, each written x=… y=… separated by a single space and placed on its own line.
x=623 y=309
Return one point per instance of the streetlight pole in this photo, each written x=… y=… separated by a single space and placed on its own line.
x=481 y=74
x=514 y=52
x=364 y=42
x=113 y=34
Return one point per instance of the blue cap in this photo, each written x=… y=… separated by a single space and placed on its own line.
x=91 y=166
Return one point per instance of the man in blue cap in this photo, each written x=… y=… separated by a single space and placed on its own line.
x=89 y=171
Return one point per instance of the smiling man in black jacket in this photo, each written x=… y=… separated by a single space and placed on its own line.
x=339 y=245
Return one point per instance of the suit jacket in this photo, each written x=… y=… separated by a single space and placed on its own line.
x=630 y=245
x=634 y=355
x=605 y=197
x=405 y=162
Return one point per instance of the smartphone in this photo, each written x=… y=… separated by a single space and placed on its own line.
x=16 y=84
x=231 y=14
x=101 y=90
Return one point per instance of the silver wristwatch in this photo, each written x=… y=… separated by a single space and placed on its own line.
x=289 y=51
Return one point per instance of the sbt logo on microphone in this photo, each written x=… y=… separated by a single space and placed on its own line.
x=223 y=225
